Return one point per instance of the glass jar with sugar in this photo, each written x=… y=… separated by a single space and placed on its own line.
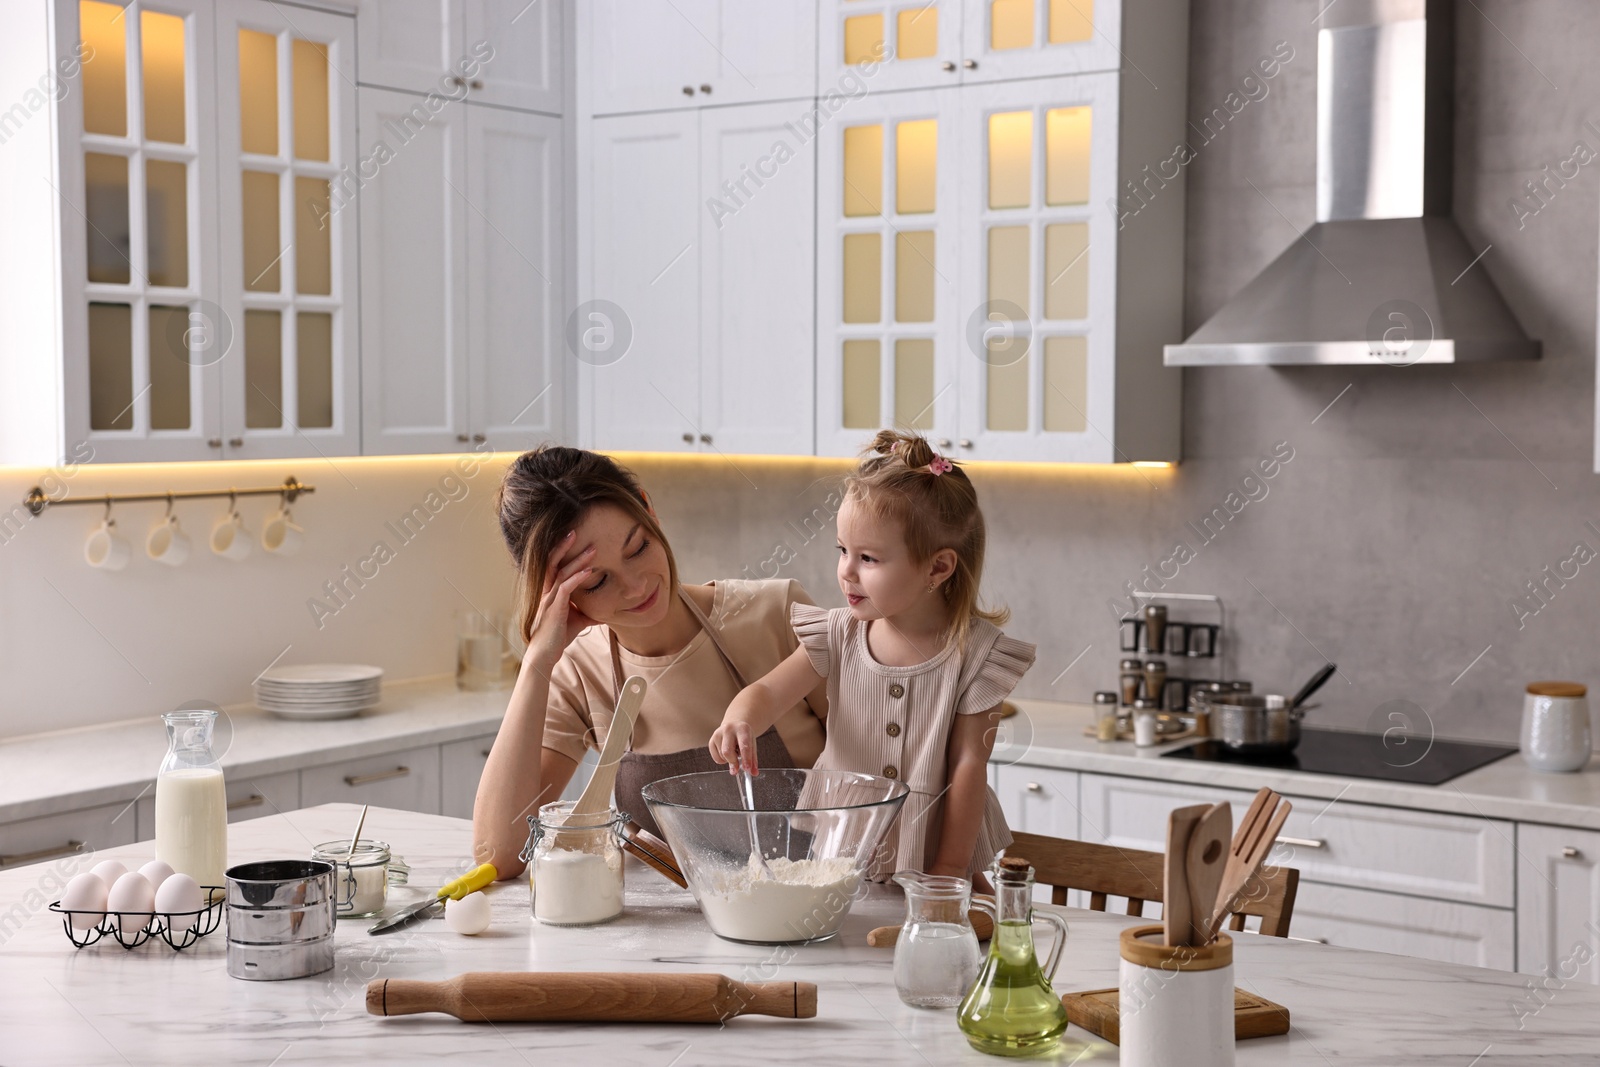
x=575 y=864
x=361 y=877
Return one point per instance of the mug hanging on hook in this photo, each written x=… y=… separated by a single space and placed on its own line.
x=281 y=535
x=167 y=543
x=106 y=549
x=229 y=538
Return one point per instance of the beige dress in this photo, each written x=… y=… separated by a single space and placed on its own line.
x=896 y=721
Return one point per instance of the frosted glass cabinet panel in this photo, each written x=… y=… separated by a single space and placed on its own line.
x=874 y=45
x=1006 y=39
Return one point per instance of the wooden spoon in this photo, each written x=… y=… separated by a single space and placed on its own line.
x=596 y=796
x=1207 y=858
x=1176 y=907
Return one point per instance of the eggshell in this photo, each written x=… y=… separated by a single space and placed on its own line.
x=109 y=871
x=85 y=893
x=178 y=893
x=469 y=915
x=133 y=900
x=156 y=872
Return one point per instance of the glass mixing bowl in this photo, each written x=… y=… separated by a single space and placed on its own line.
x=818 y=832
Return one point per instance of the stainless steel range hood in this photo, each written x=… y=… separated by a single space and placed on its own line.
x=1385 y=276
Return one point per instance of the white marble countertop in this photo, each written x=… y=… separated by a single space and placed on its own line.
x=1051 y=735
x=105 y=1005
x=71 y=769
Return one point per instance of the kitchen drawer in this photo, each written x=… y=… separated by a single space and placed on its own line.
x=460 y=767
x=249 y=797
x=1423 y=853
x=1406 y=926
x=1038 y=800
x=408 y=780
x=1558 y=902
x=51 y=836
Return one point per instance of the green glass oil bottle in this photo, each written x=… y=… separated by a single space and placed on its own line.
x=1011 y=1009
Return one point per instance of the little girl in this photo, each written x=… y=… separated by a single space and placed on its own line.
x=916 y=670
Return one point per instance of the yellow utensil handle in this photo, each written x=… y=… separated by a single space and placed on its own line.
x=470 y=882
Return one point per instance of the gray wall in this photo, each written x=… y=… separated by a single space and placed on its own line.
x=1414 y=509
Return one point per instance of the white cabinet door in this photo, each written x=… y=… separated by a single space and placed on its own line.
x=1558 y=902
x=525 y=43
x=757 y=324
x=517 y=374
x=1039 y=800
x=414 y=218
x=1408 y=926
x=249 y=797
x=649 y=55
x=763 y=52
x=1038 y=366
x=460 y=766
x=888 y=270
x=1003 y=39
x=408 y=780
x=902 y=44
x=50 y=837
x=409 y=44
x=637 y=331
x=288 y=179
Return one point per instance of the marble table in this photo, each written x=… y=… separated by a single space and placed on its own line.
x=105 y=1005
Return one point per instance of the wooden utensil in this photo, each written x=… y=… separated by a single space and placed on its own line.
x=596 y=796
x=1206 y=858
x=652 y=852
x=1097 y=1011
x=589 y=997
x=1176 y=908
x=886 y=936
x=1248 y=852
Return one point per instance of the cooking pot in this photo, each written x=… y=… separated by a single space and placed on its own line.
x=1261 y=724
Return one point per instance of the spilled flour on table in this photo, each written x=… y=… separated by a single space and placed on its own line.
x=802 y=899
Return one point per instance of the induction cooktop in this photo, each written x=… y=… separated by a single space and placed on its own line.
x=1410 y=758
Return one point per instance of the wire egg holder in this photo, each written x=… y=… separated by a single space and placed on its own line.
x=177 y=935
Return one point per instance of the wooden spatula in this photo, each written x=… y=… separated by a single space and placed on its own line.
x=1249 y=851
x=596 y=796
x=1207 y=858
x=1176 y=907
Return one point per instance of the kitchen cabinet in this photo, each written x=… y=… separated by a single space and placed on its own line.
x=695 y=332
x=408 y=779
x=507 y=52
x=49 y=837
x=1410 y=926
x=249 y=797
x=1039 y=800
x=1558 y=902
x=461 y=764
x=910 y=44
x=656 y=55
x=461 y=252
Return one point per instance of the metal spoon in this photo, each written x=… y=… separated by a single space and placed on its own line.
x=747 y=794
x=355 y=837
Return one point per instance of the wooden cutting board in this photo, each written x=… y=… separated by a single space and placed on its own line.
x=1253 y=1016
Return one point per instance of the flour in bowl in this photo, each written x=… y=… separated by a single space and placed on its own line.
x=802 y=900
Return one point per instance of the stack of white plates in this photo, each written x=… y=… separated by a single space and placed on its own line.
x=318 y=690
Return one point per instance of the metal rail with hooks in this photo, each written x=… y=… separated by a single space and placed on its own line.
x=36 y=501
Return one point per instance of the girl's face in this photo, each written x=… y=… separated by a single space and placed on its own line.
x=876 y=572
x=629 y=588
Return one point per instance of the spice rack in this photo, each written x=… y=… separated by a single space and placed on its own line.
x=1182 y=641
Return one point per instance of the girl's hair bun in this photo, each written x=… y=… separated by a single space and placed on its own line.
x=913 y=450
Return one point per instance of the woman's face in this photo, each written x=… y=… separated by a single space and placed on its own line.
x=628 y=588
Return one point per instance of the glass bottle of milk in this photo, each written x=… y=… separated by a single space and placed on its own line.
x=191 y=803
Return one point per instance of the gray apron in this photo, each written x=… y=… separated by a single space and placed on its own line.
x=636 y=770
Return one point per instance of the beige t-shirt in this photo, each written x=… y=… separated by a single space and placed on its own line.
x=691 y=689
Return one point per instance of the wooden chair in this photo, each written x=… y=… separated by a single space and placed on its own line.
x=1107 y=871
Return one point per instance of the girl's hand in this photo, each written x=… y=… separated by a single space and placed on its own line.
x=733 y=745
x=557 y=622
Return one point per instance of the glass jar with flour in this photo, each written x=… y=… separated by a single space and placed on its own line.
x=575 y=864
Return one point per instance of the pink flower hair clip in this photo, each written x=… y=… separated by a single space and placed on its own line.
x=940 y=465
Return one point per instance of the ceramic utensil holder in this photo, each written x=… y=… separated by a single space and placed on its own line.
x=1176 y=1001
x=1555 y=726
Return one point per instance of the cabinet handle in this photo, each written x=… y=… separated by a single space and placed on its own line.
x=965 y=442
x=1302 y=842
x=1571 y=853
x=944 y=442
x=688 y=438
x=235 y=442
x=705 y=439
x=381 y=776
x=43 y=854
x=478 y=439
x=970 y=64
x=485 y=753
x=947 y=65
x=476 y=84
x=688 y=90
x=213 y=442
x=706 y=89
x=463 y=438
x=1035 y=787
x=254 y=800
x=456 y=81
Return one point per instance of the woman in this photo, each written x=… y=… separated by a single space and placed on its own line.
x=598 y=601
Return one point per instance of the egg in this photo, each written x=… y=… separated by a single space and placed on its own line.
x=156 y=872
x=178 y=893
x=469 y=915
x=133 y=900
x=108 y=871
x=86 y=895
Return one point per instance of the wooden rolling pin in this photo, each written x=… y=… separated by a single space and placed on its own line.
x=592 y=997
x=886 y=936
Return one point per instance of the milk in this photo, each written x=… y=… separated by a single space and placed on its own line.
x=192 y=823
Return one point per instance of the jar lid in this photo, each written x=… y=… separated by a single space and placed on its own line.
x=1142 y=945
x=1145 y=704
x=1557 y=689
x=1132 y=665
x=1105 y=696
x=1156 y=664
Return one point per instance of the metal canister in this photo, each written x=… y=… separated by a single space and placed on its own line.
x=280 y=919
x=1132 y=675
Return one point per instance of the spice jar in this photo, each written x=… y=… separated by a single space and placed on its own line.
x=1144 y=722
x=360 y=877
x=575 y=864
x=1155 y=680
x=1155 y=628
x=1132 y=675
x=1105 y=716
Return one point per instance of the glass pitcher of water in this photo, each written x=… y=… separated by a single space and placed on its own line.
x=936 y=957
